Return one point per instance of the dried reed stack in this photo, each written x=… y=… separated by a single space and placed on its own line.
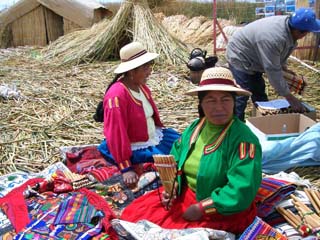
x=67 y=47
x=133 y=21
x=167 y=168
x=148 y=30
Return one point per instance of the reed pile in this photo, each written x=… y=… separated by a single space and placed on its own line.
x=58 y=103
x=134 y=21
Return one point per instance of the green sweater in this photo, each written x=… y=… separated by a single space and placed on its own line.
x=229 y=172
x=208 y=134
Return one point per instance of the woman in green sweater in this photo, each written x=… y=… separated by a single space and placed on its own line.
x=219 y=166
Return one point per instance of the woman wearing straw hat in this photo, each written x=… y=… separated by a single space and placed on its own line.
x=219 y=166
x=132 y=127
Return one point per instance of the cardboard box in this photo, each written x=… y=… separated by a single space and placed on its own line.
x=311 y=112
x=280 y=126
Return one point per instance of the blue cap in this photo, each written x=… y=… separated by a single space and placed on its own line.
x=304 y=19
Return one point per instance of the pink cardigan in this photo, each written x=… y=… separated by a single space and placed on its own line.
x=125 y=121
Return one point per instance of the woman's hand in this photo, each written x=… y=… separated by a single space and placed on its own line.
x=167 y=200
x=130 y=178
x=193 y=213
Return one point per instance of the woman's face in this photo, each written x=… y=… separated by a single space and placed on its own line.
x=141 y=74
x=218 y=107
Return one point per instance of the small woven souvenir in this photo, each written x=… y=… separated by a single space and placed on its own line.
x=167 y=168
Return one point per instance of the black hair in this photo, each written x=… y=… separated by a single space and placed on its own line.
x=114 y=80
x=99 y=114
x=201 y=95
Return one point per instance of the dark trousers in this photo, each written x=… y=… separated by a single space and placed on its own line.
x=253 y=83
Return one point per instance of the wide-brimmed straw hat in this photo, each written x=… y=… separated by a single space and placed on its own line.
x=218 y=79
x=133 y=55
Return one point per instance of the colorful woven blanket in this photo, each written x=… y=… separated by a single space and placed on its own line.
x=271 y=192
x=261 y=230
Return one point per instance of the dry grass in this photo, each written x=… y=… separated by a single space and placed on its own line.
x=58 y=105
x=59 y=102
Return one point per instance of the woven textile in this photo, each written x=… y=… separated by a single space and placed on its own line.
x=270 y=193
x=261 y=230
x=76 y=209
x=83 y=159
x=77 y=215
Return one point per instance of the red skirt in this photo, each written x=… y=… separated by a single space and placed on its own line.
x=148 y=207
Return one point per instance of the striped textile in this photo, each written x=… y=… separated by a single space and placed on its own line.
x=261 y=230
x=271 y=192
x=76 y=209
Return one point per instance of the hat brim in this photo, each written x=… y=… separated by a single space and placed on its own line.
x=218 y=87
x=137 y=62
x=316 y=26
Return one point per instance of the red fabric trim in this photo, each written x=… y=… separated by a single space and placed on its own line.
x=217 y=81
x=138 y=102
x=134 y=56
x=196 y=132
x=145 y=93
x=125 y=164
x=216 y=144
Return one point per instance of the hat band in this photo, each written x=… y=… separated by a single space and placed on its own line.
x=217 y=81
x=134 y=56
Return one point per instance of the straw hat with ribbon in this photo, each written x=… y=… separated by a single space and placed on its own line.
x=218 y=79
x=133 y=55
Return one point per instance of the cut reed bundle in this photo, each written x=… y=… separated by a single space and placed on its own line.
x=167 y=168
x=149 y=31
x=97 y=43
x=133 y=21
x=67 y=47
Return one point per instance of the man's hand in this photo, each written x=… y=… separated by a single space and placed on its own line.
x=193 y=213
x=295 y=104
